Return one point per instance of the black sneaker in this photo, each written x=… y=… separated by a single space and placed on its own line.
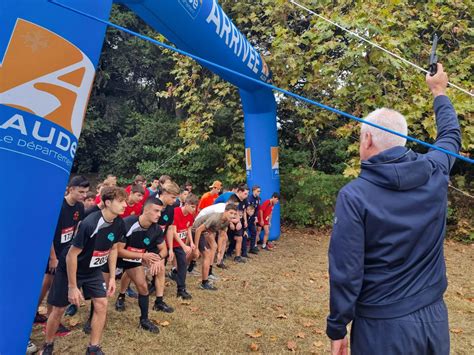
x=71 y=310
x=120 y=304
x=173 y=275
x=222 y=266
x=239 y=259
x=246 y=256
x=87 y=328
x=191 y=265
x=48 y=349
x=62 y=331
x=163 y=307
x=40 y=319
x=184 y=294
x=253 y=250
x=207 y=286
x=94 y=350
x=147 y=324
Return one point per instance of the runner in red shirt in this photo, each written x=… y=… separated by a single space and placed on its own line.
x=139 y=180
x=134 y=205
x=265 y=217
x=183 y=244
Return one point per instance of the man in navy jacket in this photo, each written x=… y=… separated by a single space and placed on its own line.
x=386 y=260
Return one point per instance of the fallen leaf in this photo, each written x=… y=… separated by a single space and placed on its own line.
x=282 y=316
x=291 y=345
x=273 y=338
x=318 y=344
x=194 y=309
x=186 y=302
x=73 y=321
x=254 y=347
x=308 y=324
x=456 y=330
x=167 y=283
x=300 y=335
x=165 y=323
x=256 y=334
x=470 y=299
x=245 y=284
x=318 y=331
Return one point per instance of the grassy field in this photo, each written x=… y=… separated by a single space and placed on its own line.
x=275 y=303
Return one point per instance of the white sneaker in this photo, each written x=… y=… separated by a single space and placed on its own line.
x=213 y=277
x=31 y=348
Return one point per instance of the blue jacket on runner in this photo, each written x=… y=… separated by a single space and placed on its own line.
x=386 y=252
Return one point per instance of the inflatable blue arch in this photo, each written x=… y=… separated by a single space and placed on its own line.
x=48 y=56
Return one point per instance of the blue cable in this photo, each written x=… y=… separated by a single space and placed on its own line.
x=261 y=83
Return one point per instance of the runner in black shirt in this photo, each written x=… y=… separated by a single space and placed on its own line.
x=142 y=243
x=237 y=239
x=92 y=247
x=72 y=212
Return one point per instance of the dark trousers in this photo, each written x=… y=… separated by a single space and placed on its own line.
x=181 y=267
x=422 y=332
x=244 y=245
x=252 y=230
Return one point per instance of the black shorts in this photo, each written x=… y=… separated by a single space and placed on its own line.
x=125 y=265
x=47 y=269
x=203 y=243
x=93 y=286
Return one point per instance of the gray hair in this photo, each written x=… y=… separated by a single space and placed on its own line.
x=389 y=119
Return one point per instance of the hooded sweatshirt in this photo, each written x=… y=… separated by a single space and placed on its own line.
x=386 y=252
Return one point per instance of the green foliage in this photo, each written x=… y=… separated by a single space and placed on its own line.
x=309 y=197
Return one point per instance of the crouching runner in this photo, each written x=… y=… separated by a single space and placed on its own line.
x=142 y=244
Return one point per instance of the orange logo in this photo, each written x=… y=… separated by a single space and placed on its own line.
x=248 y=159
x=44 y=74
x=275 y=160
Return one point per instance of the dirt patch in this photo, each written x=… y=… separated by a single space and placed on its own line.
x=275 y=303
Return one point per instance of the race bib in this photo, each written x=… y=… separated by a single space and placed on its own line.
x=139 y=260
x=66 y=234
x=99 y=258
x=182 y=235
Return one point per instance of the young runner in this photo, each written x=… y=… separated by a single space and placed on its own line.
x=182 y=243
x=265 y=217
x=142 y=244
x=72 y=212
x=205 y=230
x=93 y=246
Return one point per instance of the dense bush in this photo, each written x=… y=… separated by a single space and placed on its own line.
x=308 y=197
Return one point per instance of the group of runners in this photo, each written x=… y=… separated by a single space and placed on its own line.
x=135 y=234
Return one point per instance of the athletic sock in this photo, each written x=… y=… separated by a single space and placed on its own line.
x=191 y=265
x=159 y=299
x=210 y=270
x=264 y=245
x=92 y=311
x=143 y=304
x=205 y=282
x=121 y=295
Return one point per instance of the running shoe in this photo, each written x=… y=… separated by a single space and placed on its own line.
x=47 y=348
x=31 y=348
x=213 y=277
x=222 y=266
x=87 y=328
x=131 y=293
x=120 y=304
x=148 y=325
x=239 y=259
x=207 y=286
x=173 y=275
x=94 y=350
x=163 y=307
x=183 y=294
x=40 y=319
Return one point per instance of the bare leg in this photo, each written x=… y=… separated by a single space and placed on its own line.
x=53 y=323
x=98 y=319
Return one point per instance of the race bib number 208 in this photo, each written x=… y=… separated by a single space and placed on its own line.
x=99 y=258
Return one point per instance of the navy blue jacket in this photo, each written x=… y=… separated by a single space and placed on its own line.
x=386 y=251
